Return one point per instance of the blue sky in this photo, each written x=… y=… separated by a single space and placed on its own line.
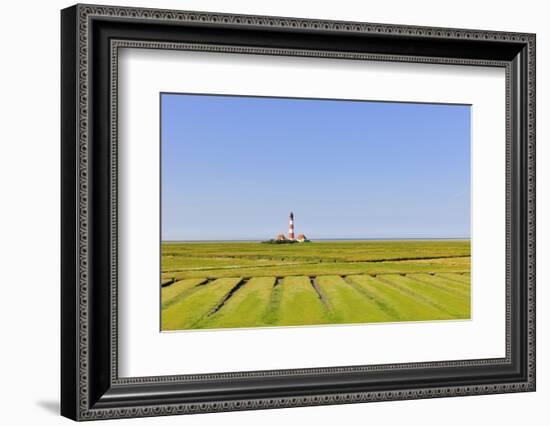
x=234 y=167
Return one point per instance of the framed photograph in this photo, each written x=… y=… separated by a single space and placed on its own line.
x=263 y=212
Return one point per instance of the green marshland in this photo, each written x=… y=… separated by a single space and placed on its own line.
x=216 y=285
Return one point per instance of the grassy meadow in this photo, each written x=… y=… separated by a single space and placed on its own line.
x=215 y=285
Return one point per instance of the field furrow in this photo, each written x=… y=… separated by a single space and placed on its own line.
x=332 y=268
x=402 y=306
x=246 y=308
x=175 y=291
x=347 y=305
x=190 y=309
x=455 y=306
x=458 y=289
x=458 y=278
x=299 y=303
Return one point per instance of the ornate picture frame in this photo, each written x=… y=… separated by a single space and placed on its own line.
x=91 y=37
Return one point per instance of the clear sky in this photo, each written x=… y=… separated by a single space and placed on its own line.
x=234 y=167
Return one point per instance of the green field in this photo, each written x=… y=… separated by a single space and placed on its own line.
x=215 y=285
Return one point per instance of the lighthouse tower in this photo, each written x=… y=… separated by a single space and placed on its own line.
x=291 y=226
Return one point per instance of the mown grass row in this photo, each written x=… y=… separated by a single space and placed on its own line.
x=455 y=265
x=323 y=299
x=178 y=255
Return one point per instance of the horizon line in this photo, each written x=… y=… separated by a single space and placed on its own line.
x=321 y=239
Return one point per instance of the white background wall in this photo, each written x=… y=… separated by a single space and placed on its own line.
x=29 y=213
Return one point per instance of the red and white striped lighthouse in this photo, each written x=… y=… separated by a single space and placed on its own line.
x=291 y=226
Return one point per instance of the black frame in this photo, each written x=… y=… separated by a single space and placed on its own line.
x=90 y=386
